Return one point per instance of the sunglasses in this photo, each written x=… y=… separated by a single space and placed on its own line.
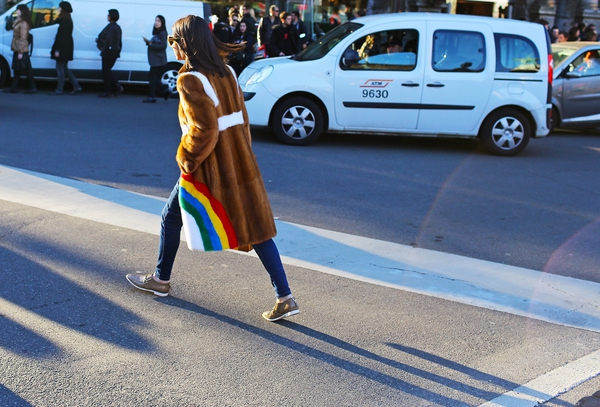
x=171 y=39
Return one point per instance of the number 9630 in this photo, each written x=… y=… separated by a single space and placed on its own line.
x=375 y=93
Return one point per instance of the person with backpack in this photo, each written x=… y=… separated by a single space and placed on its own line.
x=21 y=64
x=109 y=43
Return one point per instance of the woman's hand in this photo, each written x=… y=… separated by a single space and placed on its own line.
x=186 y=163
x=20 y=56
x=56 y=54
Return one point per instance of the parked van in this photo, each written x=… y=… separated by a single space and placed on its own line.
x=455 y=75
x=89 y=18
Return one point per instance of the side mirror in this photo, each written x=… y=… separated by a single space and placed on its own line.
x=573 y=74
x=349 y=58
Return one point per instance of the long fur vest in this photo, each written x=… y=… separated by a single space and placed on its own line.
x=221 y=182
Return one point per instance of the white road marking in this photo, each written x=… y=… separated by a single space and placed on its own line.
x=550 y=385
x=556 y=299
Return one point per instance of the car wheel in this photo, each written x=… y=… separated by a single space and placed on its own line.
x=297 y=121
x=168 y=77
x=505 y=132
x=4 y=72
x=554 y=120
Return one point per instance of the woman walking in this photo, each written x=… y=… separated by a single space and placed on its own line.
x=62 y=50
x=157 y=59
x=220 y=199
x=21 y=64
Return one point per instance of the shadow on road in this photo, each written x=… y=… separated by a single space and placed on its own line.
x=351 y=367
x=8 y=398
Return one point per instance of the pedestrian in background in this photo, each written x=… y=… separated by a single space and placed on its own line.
x=62 y=49
x=241 y=60
x=109 y=43
x=157 y=59
x=248 y=17
x=21 y=64
x=220 y=198
x=574 y=34
x=284 y=39
x=562 y=37
x=298 y=24
x=265 y=27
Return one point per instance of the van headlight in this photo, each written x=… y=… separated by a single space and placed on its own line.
x=258 y=76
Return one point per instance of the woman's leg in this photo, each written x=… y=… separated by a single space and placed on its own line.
x=170 y=236
x=152 y=79
x=71 y=77
x=15 y=80
x=106 y=67
x=60 y=73
x=269 y=255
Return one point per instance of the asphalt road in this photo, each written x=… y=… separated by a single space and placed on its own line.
x=73 y=332
x=539 y=210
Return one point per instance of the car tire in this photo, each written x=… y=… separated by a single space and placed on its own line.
x=505 y=132
x=168 y=76
x=4 y=72
x=555 y=120
x=297 y=121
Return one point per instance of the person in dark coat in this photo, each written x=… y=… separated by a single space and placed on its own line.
x=284 y=38
x=109 y=43
x=265 y=27
x=157 y=58
x=62 y=50
x=241 y=60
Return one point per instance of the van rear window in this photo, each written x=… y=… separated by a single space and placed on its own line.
x=515 y=53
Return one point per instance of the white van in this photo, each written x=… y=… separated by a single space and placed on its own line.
x=89 y=18
x=456 y=75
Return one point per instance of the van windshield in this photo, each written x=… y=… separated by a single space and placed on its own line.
x=323 y=45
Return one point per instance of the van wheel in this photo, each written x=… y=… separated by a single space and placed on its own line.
x=4 y=72
x=168 y=77
x=505 y=132
x=297 y=121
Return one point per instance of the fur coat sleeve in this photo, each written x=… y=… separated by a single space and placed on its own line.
x=222 y=194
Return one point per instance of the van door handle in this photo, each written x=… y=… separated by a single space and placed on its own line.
x=410 y=84
x=435 y=85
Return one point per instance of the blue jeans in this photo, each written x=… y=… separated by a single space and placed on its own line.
x=62 y=68
x=170 y=234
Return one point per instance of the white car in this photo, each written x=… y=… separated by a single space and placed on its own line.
x=458 y=76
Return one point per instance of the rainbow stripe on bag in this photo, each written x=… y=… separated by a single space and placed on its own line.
x=205 y=222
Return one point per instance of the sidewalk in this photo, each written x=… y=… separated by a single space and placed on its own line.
x=366 y=334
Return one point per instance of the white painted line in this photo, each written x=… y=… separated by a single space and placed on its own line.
x=550 y=385
x=519 y=291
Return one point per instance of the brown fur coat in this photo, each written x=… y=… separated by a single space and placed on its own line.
x=20 y=42
x=216 y=148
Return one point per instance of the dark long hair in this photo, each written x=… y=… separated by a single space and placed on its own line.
x=203 y=50
x=163 y=26
x=25 y=14
x=65 y=10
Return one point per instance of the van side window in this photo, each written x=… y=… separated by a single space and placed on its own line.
x=458 y=51
x=44 y=12
x=515 y=53
x=392 y=50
